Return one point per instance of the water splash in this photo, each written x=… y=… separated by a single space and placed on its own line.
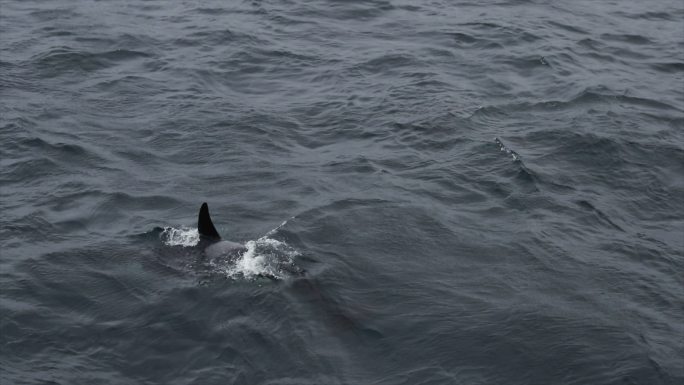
x=264 y=257
x=280 y=226
x=184 y=236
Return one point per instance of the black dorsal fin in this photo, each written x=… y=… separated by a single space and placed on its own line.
x=204 y=225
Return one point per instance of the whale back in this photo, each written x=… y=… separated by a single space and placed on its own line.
x=224 y=249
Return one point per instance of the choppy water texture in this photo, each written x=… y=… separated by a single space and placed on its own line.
x=472 y=193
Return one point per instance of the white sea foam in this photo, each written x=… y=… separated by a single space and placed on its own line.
x=184 y=236
x=264 y=257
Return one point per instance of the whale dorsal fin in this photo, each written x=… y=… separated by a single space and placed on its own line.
x=204 y=225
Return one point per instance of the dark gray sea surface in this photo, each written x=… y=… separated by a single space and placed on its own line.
x=435 y=192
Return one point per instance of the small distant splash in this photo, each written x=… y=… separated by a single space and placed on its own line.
x=184 y=236
x=280 y=226
x=264 y=257
x=507 y=150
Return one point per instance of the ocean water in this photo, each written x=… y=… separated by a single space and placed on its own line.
x=435 y=192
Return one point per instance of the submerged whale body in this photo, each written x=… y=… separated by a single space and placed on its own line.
x=214 y=245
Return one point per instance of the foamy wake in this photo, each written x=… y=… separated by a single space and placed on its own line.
x=264 y=257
